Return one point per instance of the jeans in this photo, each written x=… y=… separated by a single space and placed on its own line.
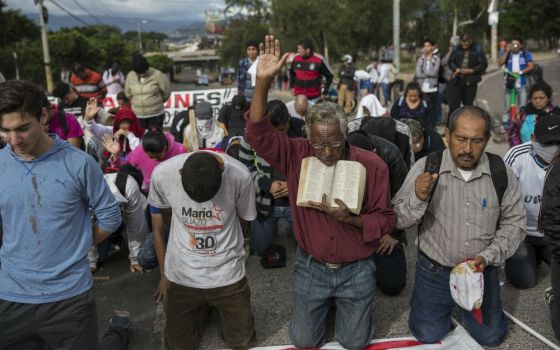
x=521 y=100
x=264 y=229
x=386 y=89
x=431 y=305
x=147 y=257
x=317 y=286
x=390 y=274
x=521 y=268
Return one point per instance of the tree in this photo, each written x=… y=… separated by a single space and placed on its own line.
x=237 y=33
x=16 y=30
x=539 y=21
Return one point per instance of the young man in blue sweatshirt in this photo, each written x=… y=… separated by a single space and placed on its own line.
x=48 y=191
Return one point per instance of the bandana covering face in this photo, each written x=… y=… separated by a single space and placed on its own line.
x=467 y=287
x=547 y=153
x=204 y=127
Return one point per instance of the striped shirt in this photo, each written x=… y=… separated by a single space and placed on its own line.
x=463 y=220
x=90 y=87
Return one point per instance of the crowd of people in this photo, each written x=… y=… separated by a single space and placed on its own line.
x=194 y=201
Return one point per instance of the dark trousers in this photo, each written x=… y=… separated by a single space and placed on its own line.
x=521 y=268
x=63 y=325
x=458 y=91
x=555 y=304
x=432 y=117
x=390 y=275
x=115 y=338
x=187 y=311
x=156 y=121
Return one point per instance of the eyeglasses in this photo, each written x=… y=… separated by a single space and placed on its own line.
x=319 y=146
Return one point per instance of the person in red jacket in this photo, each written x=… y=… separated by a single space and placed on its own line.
x=307 y=71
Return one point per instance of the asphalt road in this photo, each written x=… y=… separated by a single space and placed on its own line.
x=271 y=289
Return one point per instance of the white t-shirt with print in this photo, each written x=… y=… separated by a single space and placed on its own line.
x=205 y=248
x=531 y=177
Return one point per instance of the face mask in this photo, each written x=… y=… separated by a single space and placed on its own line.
x=204 y=127
x=547 y=153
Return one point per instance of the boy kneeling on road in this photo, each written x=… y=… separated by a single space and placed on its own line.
x=203 y=195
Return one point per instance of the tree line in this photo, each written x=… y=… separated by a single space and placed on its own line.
x=361 y=27
x=96 y=46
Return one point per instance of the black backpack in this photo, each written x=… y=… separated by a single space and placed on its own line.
x=123 y=173
x=387 y=128
x=497 y=171
x=178 y=125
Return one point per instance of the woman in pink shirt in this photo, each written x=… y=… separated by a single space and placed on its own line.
x=156 y=147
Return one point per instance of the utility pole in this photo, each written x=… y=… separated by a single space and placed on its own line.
x=46 y=54
x=396 y=35
x=139 y=36
x=493 y=16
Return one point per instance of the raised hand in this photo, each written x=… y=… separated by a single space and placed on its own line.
x=270 y=63
x=111 y=145
x=91 y=109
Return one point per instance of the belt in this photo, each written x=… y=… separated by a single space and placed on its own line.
x=331 y=266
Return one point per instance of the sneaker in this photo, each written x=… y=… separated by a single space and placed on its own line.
x=120 y=319
x=548 y=295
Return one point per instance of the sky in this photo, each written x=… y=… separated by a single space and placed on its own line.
x=160 y=10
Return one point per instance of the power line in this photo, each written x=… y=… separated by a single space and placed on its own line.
x=89 y=13
x=69 y=13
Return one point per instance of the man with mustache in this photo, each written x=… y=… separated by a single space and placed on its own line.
x=463 y=218
x=334 y=260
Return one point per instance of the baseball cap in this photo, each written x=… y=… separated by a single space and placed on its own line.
x=203 y=110
x=347 y=58
x=547 y=129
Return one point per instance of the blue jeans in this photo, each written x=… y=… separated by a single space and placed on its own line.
x=386 y=89
x=521 y=94
x=147 y=257
x=431 y=305
x=316 y=286
x=264 y=229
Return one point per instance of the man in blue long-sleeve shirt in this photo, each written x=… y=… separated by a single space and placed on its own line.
x=48 y=191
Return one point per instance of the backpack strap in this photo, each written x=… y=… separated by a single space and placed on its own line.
x=499 y=175
x=63 y=122
x=433 y=163
x=120 y=182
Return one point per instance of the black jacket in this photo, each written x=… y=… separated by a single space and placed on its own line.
x=549 y=216
x=476 y=61
x=394 y=160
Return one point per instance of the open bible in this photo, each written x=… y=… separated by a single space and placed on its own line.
x=345 y=181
